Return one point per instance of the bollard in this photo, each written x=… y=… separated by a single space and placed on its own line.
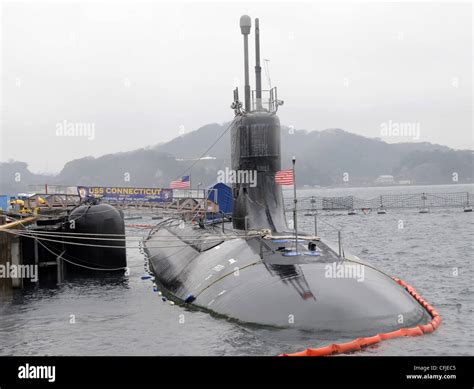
x=315 y=224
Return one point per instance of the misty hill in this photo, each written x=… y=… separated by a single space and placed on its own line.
x=15 y=177
x=323 y=157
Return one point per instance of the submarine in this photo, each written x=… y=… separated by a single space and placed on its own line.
x=255 y=267
x=89 y=239
x=104 y=226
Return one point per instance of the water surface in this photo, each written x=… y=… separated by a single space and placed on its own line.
x=123 y=316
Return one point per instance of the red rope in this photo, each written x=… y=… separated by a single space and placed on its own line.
x=140 y=225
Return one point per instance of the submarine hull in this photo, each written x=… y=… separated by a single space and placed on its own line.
x=231 y=277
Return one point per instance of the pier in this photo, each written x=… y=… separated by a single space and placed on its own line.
x=11 y=256
x=185 y=202
x=36 y=233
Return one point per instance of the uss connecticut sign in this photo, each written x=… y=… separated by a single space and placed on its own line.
x=126 y=193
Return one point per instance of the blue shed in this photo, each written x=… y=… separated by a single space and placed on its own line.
x=224 y=197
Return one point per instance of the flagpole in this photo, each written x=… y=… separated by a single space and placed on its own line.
x=295 y=201
x=190 y=189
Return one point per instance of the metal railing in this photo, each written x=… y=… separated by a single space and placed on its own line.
x=52 y=189
x=268 y=102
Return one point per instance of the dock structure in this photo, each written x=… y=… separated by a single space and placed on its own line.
x=184 y=202
x=52 y=201
x=186 y=206
x=177 y=205
x=11 y=252
x=45 y=211
x=419 y=201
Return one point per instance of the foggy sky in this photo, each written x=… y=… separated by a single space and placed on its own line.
x=140 y=72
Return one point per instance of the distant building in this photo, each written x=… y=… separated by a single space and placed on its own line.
x=384 y=180
x=404 y=182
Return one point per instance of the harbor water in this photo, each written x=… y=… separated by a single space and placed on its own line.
x=124 y=316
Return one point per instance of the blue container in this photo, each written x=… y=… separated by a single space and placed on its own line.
x=4 y=202
x=224 y=197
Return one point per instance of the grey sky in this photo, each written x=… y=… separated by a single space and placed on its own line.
x=138 y=72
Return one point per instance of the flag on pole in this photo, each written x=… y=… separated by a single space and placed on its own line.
x=284 y=177
x=183 y=183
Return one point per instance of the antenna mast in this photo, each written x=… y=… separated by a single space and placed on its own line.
x=258 y=69
x=267 y=72
x=245 y=24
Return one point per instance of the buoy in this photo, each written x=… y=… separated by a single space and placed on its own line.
x=97 y=219
x=171 y=302
x=163 y=298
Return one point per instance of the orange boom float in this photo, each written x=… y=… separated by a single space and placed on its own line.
x=360 y=343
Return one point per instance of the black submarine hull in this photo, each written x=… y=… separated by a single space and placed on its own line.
x=229 y=277
x=107 y=252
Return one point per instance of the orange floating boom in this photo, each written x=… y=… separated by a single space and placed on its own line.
x=360 y=343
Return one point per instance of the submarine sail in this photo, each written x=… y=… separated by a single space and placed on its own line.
x=255 y=144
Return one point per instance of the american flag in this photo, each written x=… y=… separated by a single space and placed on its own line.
x=284 y=177
x=183 y=183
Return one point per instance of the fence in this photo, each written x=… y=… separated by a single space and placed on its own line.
x=415 y=200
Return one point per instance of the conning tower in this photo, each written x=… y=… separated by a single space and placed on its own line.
x=255 y=138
